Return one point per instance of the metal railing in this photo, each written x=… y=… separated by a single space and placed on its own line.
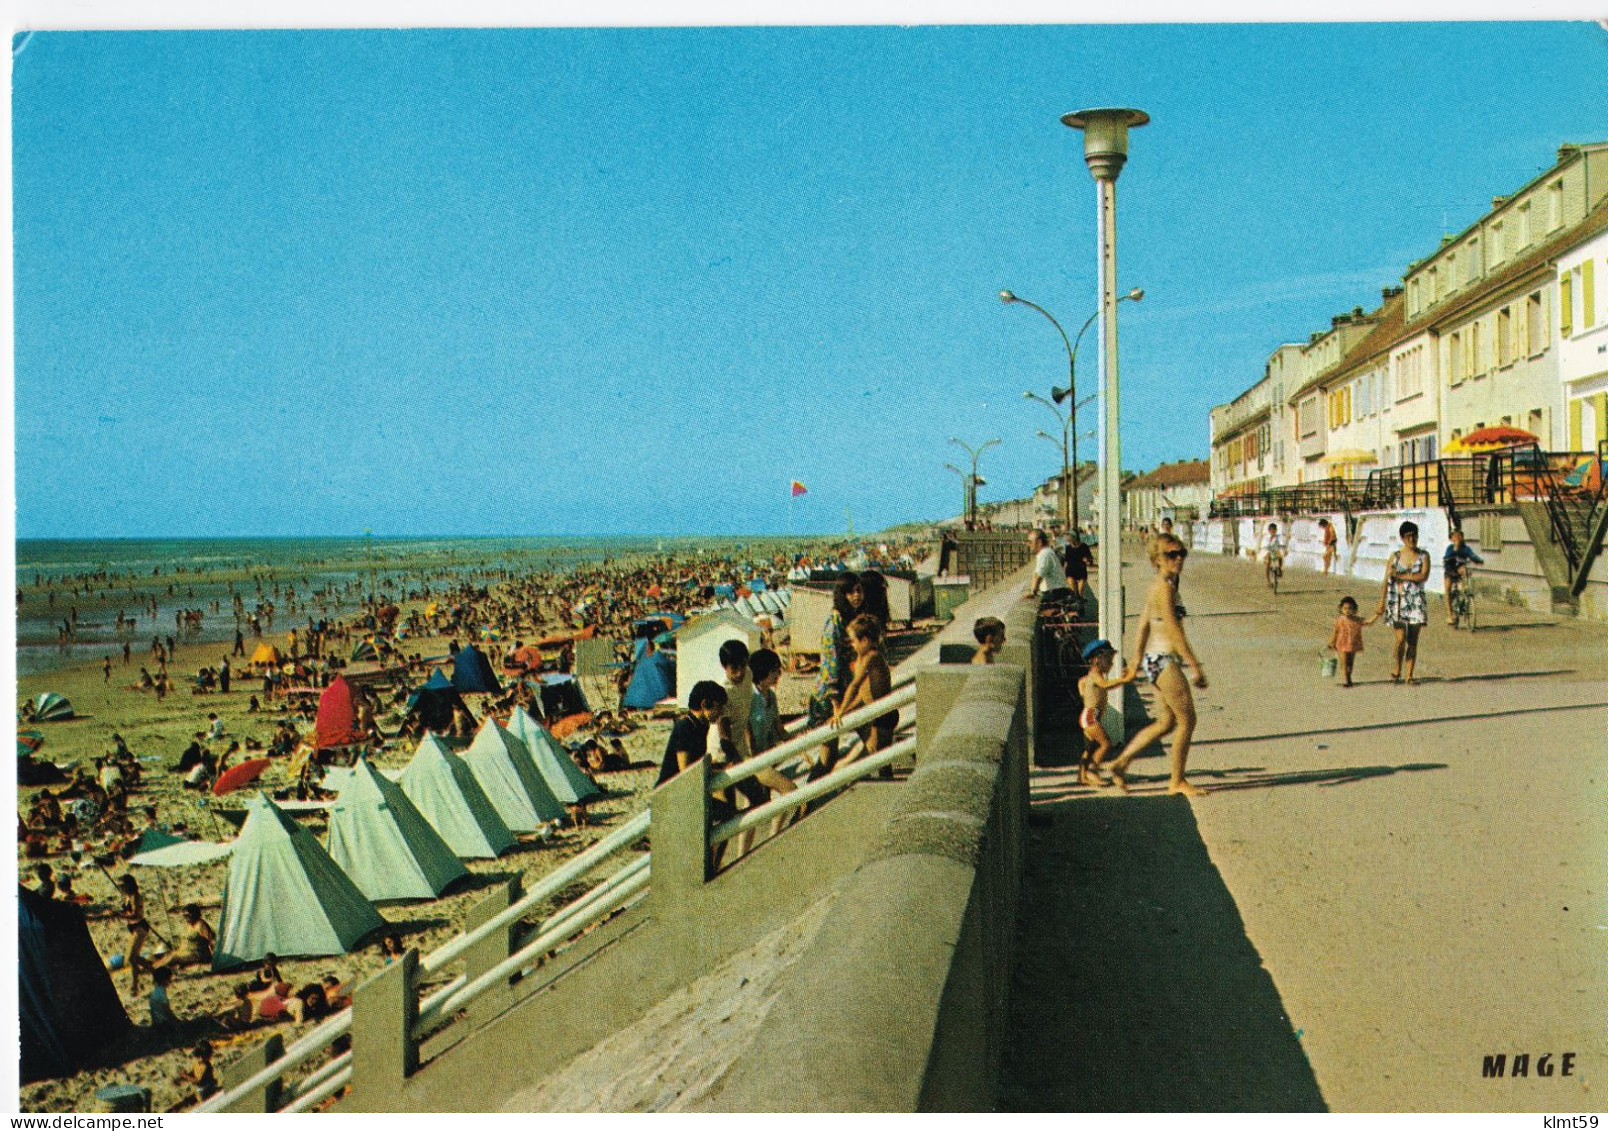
x=1505 y=475
x=614 y=893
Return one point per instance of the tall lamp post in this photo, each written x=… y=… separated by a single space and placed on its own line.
x=1068 y=517
x=975 y=453
x=1105 y=151
x=965 y=491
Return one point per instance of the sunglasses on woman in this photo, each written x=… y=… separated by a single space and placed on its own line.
x=1175 y=555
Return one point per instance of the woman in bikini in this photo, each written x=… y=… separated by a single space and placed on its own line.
x=1163 y=650
x=139 y=928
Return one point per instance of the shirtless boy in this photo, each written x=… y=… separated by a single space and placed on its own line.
x=1093 y=688
x=872 y=679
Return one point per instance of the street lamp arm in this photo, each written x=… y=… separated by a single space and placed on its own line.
x=1047 y=314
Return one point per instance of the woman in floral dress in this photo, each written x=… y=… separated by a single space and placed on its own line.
x=1401 y=599
x=837 y=656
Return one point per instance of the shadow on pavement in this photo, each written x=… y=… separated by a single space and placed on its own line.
x=1135 y=987
x=1484 y=676
x=1243 y=777
x=1199 y=742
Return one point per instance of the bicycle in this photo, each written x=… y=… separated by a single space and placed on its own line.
x=1275 y=570
x=1460 y=596
x=1061 y=639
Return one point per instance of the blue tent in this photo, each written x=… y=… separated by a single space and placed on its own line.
x=472 y=671
x=756 y=585
x=725 y=590
x=654 y=679
x=434 y=702
x=68 y=1006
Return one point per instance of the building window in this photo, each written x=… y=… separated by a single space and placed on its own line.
x=1555 y=205
x=1471 y=261
x=1566 y=304
x=1535 y=322
x=1476 y=351
x=1435 y=290
x=1504 y=337
x=1524 y=234
x=1498 y=244
x=1454 y=358
x=1364 y=402
x=1413 y=305
x=1588 y=294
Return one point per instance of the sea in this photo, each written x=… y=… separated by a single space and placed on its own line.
x=181 y=574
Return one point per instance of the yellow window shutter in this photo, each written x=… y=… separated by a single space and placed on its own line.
x=1588 y=305
x=1565 y=305
x=1574 y=424
x=1600 y=402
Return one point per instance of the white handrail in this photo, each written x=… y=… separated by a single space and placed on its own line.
x=298 y=1052
x=440 y=1006
x=851 y=721
x=804 y=794
x=553 y=882
x=314 y=1079
x=320 y=1038
x=328 y=1088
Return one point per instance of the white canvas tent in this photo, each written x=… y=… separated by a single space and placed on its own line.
x=504 y=769
x=446 y=794
x=384 y=844
x=698 y=646
x=285 y=895
x=569 y=783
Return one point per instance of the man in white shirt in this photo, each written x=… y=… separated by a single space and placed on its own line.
x=1049 y=579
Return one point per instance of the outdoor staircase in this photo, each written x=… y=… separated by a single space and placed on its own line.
x=1567 y=533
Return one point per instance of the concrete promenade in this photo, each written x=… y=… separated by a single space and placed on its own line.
x=1386 y=884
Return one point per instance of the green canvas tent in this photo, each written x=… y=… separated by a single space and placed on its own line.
x=384 y=844
x=569 y=783
x=285 y=895
x=446 y=794
x=504 y=769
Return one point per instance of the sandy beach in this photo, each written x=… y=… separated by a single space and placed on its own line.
x=157 y=731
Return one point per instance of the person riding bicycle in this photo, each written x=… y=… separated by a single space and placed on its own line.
x=1272 y=553
x=1455 y=563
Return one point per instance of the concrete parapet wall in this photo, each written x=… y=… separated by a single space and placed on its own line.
x=1377 y=539
x=899 y=1005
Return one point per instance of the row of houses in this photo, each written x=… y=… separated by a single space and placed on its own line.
x=1500 y=325
x=1180 y=491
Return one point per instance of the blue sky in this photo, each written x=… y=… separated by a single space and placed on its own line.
x=623 y=281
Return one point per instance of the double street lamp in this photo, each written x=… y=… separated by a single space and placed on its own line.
x=1069 y=515
x=972 y=480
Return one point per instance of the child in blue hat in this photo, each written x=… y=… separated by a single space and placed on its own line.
x=1099 y=655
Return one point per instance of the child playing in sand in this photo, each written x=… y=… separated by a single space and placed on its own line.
x=990 y=634
x=1093 y=688
x=161 y=1008
x=200 y=1075
x=1346 y=639
x=871 y=680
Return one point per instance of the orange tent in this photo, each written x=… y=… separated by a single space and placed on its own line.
x=569 y=724
x=266 y=653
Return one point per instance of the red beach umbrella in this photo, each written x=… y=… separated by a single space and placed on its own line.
x=237 y=776
x=1489 y=439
